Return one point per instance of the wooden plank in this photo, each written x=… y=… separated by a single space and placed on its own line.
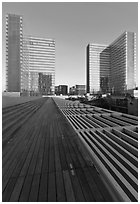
x=61 y=195
x=14 y=167
x=45 y=162
x=34 y=188
x=93 y=187
x=57 y=154
x=133 y=169
x=113 y=175
x=26 y=189
x=131 y=133
x=32 y=164
x=27 y=162
x=43 y=188
x=21 y=143
x=68 y=187
x=69 y=150
x=81 y=162
x=84 y=184
x=126 y=138
x=64 y=164
x=101 y=186
x=124 y=144
x=110 y=139
x=65 y=145
x=77 y=189
x=17 y=189
x=40 y=154
x=51 y=187
x=51 y=151
x=8 y=190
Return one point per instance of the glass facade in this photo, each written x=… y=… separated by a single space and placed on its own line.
x=105 y=70
x=112 y=68
x=13 y=52
x=93 y=67
x=41 y=64
x=123 y=63
x=25 y=68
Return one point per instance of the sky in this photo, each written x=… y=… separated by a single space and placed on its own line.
x=73 y=25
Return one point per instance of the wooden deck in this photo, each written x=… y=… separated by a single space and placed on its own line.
x=45 y=161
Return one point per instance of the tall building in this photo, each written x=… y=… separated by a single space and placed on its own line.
x=105 y=70
x=93 y=67
x=41 y=64
x=123 y=63
x=112 y=68
x=13 y=52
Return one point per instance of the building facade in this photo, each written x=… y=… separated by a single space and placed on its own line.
x=77 y=90
x=105 y=71
x=93 y=67
x=112 y=69
x=40 y=60
x=123 y=63
x=14 y=37
x=61 y=89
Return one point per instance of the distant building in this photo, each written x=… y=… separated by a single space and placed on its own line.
x=40 y=60
x=93 y=67
x=56 y=90
x=30 y=61
x=123 y=63
x=112 y=68
x=72 y=90
x=61 y=89
x=13 y=52
x=77 y=90
x=104 y=75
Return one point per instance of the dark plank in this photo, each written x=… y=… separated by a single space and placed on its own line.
x=17 y=189
x=63 y=160
x=34 y=189
x=43 y=188
x=61 y=195
x=101 y=186
x=56 y=150
x=9 y=189
x=51 y=187
x=79 y=196
x=93 y=187
x=34 y=157
x=45 y=162
x=51 y=151
x=68 y=187
x=26 y=189
x=84 y=184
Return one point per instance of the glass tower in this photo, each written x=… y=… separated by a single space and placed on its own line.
x=93 y=67
x=112 y=68
x=40 y=61
x=123 y=63
x=13 y=52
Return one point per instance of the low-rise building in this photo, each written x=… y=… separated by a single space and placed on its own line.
x=61 y=89
x=77 y=90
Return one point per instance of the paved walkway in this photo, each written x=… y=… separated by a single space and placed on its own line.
x=45 y=161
